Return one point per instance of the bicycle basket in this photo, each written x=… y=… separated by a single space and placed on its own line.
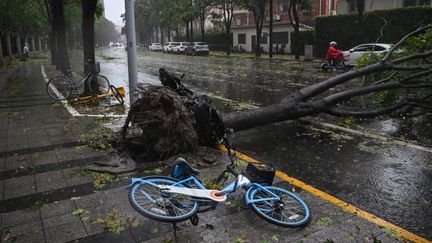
x=260 y=173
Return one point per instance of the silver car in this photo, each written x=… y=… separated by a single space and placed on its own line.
x=196 y=48
x=155 y=47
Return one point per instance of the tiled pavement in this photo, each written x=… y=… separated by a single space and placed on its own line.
x=37 y=146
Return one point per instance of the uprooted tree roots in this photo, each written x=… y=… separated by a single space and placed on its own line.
x=162 y=125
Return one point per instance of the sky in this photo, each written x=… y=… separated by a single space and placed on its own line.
x=113 y=10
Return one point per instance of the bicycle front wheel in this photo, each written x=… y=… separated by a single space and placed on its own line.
x=160 y=205
x=59 y=88
x=99 y=85
x=117 y=94
x=288 y=211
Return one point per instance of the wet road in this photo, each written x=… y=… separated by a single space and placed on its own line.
x=390 y=181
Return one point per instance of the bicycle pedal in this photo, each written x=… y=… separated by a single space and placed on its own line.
x=194 y=220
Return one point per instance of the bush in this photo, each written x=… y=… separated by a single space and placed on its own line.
x=306 y=37
x=349 y=30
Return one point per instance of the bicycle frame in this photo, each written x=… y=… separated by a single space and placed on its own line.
x=87 y=78
x=232 y=187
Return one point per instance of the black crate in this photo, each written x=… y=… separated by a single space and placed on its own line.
x=260 y=173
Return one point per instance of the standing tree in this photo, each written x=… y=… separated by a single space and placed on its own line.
x=203 y=7
x=295 y=21
x=62 y=56
x=227 y=7
x=258 y=9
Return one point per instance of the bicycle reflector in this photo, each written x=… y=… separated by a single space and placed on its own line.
x=260 y=173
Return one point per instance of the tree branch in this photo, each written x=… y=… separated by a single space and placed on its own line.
x=385 y=79
x=401 y=41
x=367 y=113
x=409 y=68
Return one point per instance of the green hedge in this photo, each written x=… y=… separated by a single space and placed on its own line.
x=306 y=37
x=349 y=31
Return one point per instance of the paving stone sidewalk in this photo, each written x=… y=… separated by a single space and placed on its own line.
x=45 y=198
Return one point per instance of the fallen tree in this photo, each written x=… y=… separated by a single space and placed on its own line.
x=401 y=80
x=407 y=70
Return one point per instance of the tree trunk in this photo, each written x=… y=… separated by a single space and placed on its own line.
x=33 y=43
x=18 y=44
x=169 y=34
x=202 y=22
x=62 y=48
x=157 y=34
x=271 y=29
x=191 y=31
x=8 y=44
x=53 y=47
x=1 y=51
x=227 y=41
x=162 y=36
x=177 y=34
x=88 y=11
x=296 y=31
x=187 y=32
x=40 y=43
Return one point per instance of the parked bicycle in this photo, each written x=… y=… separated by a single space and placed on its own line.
x=182 y=196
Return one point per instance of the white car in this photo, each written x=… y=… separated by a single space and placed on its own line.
x=155 y=47
x=181 y=47
x=169 y=46
x=355 y=53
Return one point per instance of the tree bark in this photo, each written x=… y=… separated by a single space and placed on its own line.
x=202 y=22
x=8 y=44
x=271 y=29
x=40 y=43
x=18 y=44
x=33 y=43
x=187 y=31
x=191 y=31
x=62 y=59
x=1 y=51
x=88 y=11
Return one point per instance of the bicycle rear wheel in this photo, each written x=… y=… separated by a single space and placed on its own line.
x=59 y=88
x=156 y=204
x=117 y=94
x=289 y=211
x=99 y=85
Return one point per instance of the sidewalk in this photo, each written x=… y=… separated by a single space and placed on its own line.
x=47 y=196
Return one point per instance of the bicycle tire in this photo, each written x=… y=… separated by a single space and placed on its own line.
x=167 y=205
x=290 y=211
x=117 y=94
x=59 y=88
x=99 y=85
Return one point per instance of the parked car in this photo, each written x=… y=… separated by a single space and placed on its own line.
x=196 y=48
x=169 y=46
x=180 y=48
x=355 y=53
x=155 y=47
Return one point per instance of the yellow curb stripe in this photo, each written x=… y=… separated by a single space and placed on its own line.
x=345 y=206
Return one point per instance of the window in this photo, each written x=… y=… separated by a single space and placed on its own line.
x=241 y=38
x=238 y=21
x=282 y=6
x=280 y=38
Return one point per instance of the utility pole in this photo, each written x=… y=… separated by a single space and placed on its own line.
x=131 y=50
x=271 y=29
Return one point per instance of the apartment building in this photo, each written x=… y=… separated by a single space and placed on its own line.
x=244 y=32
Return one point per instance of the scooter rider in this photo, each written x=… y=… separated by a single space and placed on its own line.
x=334 y=55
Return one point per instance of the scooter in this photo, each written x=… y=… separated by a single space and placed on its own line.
x=327 y=66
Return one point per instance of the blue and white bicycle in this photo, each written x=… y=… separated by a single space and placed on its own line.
x=182 y=196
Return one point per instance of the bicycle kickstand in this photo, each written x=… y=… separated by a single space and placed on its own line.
x=175 y=231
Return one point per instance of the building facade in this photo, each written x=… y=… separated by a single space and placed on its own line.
x=244 y=31
x=345 y=7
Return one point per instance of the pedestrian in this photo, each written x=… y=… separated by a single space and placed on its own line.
x=26 y=50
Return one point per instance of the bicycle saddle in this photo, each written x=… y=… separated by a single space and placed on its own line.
x=182 y=170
